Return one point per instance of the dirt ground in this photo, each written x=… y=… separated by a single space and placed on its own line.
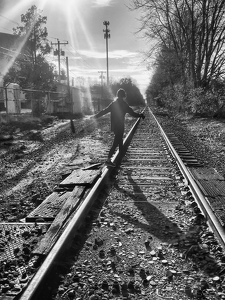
x=33 y=161
x=35 y=158
x=35 y=155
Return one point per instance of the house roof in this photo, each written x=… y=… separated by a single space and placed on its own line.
x=10 y=47
x=11 y=42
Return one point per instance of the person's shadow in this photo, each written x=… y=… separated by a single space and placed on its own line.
x=162 y=228
x=157 y=223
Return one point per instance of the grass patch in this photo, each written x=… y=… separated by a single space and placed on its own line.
x=11 y=123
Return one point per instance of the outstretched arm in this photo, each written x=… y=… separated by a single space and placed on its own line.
x=102 y=112
x=134 y=114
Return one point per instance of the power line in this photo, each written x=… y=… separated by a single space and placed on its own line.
x=51 y=37
x=9 y=19
x=6 y=28
x=82 y=57
x=6 y=54
x=55 y=38
x=71 y=72
x=12 y=56
x=63 y=62
x=15 y=52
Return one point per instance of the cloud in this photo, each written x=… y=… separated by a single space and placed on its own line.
x=102 y=3
x=92 y=54
x=122 y=54
x=117 y=54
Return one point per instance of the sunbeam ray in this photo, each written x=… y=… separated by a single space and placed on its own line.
x=21 y=6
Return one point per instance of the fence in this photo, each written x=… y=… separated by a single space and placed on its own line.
x=14 y=100
x=64 y=102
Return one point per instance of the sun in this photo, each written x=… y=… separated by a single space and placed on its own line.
x=72 y=14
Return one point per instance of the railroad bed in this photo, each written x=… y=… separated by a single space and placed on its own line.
x=144 y=238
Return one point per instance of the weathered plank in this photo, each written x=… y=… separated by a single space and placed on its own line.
x=80 y=177
x=52 y=234
x=49 y=208
x=213 y=188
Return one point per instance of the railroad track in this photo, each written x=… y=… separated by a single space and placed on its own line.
x=146 y=236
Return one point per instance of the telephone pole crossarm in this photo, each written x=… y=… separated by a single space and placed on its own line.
x=58 y=53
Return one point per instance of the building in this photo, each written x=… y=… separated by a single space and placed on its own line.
x=64 y=103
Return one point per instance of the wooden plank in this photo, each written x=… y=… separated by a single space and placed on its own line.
x=53 y=232
x=49 y=208
x=213 y=188
x=80 y=177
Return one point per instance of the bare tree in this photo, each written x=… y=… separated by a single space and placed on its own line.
x=193 y=29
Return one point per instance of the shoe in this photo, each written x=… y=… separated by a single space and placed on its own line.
x=110 y=164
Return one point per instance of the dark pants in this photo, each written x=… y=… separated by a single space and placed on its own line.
x=118 y=141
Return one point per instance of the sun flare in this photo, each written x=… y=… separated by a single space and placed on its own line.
x=69 y=17
x=62 y=5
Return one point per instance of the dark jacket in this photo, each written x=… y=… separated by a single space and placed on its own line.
x=118 y=109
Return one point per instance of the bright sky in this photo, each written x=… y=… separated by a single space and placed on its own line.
x=80 y=22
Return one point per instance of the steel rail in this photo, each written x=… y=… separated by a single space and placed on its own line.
x=32 y=290
x=204 y=206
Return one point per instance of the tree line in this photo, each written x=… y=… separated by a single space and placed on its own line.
x=188 y=38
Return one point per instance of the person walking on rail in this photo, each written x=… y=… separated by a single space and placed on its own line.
x=118 y=109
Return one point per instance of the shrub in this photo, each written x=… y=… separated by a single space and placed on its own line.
x=191 y=100
x=173 y=97
x=203 y=103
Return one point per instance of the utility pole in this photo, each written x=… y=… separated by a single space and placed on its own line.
x=68 y=82
x=101 y=77
x=107 y=36
x=67 y=72
x=58 y=52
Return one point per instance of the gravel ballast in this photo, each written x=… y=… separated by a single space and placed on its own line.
x=47 y=152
